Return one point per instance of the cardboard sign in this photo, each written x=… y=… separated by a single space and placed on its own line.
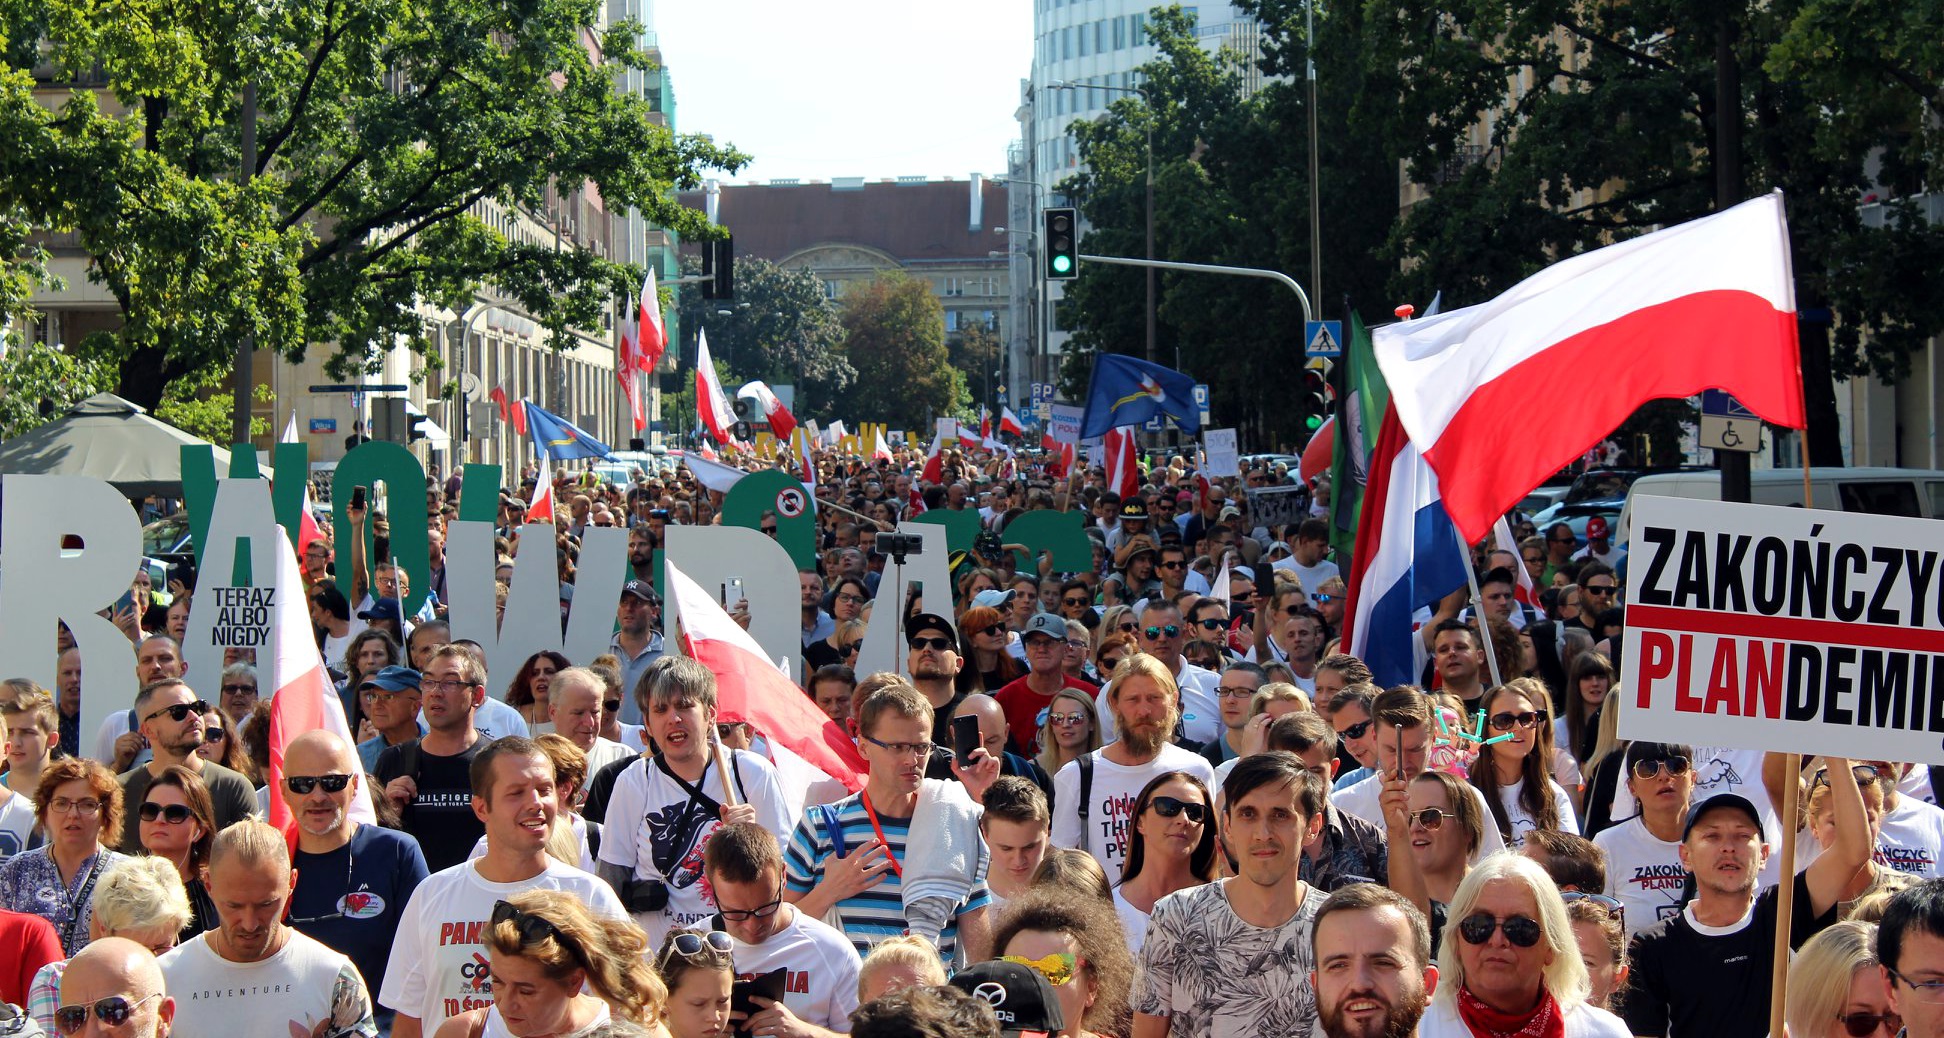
x=1785 y=629
x=1063 y=422
x=1275 y=506
x=1223 y=458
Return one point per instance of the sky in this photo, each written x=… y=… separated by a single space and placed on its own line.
x=816 y=89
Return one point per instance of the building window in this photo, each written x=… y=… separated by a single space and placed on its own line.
x=1066 y=43
x=951 y=286
x=1100 y=37
x=952 y=323
x=830 y=289
x=1083 y=40
x=1120 y=33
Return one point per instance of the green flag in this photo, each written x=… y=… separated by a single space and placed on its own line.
x=1362 y=399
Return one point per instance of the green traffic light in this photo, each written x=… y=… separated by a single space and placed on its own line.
x=1062 y=264
x=1313 y=422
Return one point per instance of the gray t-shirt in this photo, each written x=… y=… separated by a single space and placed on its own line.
x=232 y=796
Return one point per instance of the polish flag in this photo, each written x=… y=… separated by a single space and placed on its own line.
x=1708 y=304
x=651 y=336
x=781 y=422
x=498 y=396
x=710 y=402
x=752 y=689
x=1502 y=541
x=985 y=426
x=806 y=463
x=1009 y=422
x=879 y=451
x=541 y=508
x=709 y=471
x=304 y=700
x=307 y=528
x=1123 y=469
x=934 y=470
x=632 y=389
x=519 y=416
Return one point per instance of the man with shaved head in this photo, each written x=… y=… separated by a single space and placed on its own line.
x=253 y=974
x=352 y=880
x=115 y=979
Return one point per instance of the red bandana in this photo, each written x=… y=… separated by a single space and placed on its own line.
x=1544 y=1021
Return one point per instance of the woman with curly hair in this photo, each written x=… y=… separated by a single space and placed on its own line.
x=528 y=692
x=1077 y=944
x=558 y=969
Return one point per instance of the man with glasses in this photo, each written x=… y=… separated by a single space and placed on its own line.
x=1161 y=634
x=429 y=778
x=1233 y=696
x=1400 y=730
x=353 y=880
x=114 y=987
x=636 y=642
x=1026 y=699
x=933 y=662
x=745 y=869
x=254 y=974
x=171 y=719
x=1560 y=545
x=1208 y=621
x=1601 y=588
x=119 y=742
x=1910 y=953
x=575 y=711
x=391 y=707
x=1706 y=970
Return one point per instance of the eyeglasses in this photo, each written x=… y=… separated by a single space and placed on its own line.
x=214 y=733
x=174 y=814
x=1431 y=818
x=1646 y=769
x=532 y=928
x=1865 y=774
x=762 y=911
x=1210 y=623
x=180 y=711
x=445 y=688
x=64 y=806
x=1162 y=632
x=239 y=689
x=1930 y=992
x=902 y=749
x=1170 y=807
x=1058 y=968
x=379 y=695
x=934 y=644
x=1612 y=904
x=1076 y=601
x=1356 y=731
x=1522 y=931
x=1598 y=589
x=112 y=1011
x=849 y=599
x=1065 y=720
x=1124 y=625
x=1862 y=1025
x=303 y=784
x=1505 y=720
x=1234 y=692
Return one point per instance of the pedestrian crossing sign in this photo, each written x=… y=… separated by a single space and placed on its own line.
x=1323 y=338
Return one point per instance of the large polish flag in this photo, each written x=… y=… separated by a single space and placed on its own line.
x=711 y=403
x=304 y=699
x=541 y=508
x=782 y=423
x=1708 y=304
x=1407 y=556
x=307 y=528
x=751 y=688
x=1009 y=422
x=651 y=337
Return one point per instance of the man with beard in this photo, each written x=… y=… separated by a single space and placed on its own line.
x=170 y=718
x=1373 y=974
x=636 y=643
x=641 y=553
x=353 y=880
x=934 y=665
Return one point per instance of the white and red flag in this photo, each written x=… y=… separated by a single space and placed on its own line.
x=304 y=700
x=651 y=336
x=806 y=462
x=1123 y=466
x=1502 y=540
x=1009 y=422
x=1708 y=304
x=752 y=689
x=711 y=404
x=307 y=528
x=541 y=508
x=782 y=423
x=934 y=470
x=879 y=450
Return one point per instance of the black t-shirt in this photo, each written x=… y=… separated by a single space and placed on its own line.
x=818 y=654
x=1689 y=984
x=441 y=817
x=601 y=787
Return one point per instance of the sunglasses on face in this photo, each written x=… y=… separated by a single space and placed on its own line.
x=1522 y=931
x=236 y=690
x=934 y=644
x=850 y=648
x=1646 y=769
x=1058 y=968
x=1598 y=589
x=1065 y=720
x=1504 y=721
x=180 y=711
x=1169 y=807
x=612 y=706
x=1111 y=662
x=1210 y=623
x=214 y=733
x=1323 y=598
x=1865 y=774
x=112 y=1011
x=1173 y=564
x=994 y=629
x=303 y=784
x=1431 y=818
x=771 y=530
x=1862 y=1025
x=1075 y=601
x=174 y=814
x=1356 y=731
x=1155 y=633
x=1125 y=625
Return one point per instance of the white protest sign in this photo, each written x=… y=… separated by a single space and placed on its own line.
x=1063 y=422
x=45 y=584
x=1223 y=458
x=1787 y=629
x=722 y=558
x=533 y=609
x=1276 y=506
x=930 y=568
x=222 y=616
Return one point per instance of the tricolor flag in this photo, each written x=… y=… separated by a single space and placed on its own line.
x=303 y=700
x=307 y=528
x=1009 y=422
x=1708 y=304
x=711 y=404
x=750 y=688
x=781 y=422
x=1123 y=466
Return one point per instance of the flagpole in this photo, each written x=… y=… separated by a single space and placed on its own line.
x=1478 y=610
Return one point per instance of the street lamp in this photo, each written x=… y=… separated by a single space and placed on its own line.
x=1061 y=84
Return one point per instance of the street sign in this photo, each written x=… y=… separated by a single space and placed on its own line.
x=1323 y=338
x=1727 y=425
x=1201 y=402
x=349 y=388
x=1153 y=425
x=999 y=394
x=323 y=425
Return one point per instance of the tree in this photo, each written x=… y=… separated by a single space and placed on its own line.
x=39 y=383
x=384 y=125
x=975 y=352
x=779 y=325
x=894 y=336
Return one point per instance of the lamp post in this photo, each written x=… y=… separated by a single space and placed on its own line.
x=1142 y=94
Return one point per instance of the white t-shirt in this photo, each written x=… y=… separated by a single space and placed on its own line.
x=334 y=646
x=1522 y=822
x=1360 y=798
x=1916 y=782
x=650 y=818
x=822 y=985
x=1112 y=802
x=1582 y=1021
x=1133 y=921
x=1201 y=713
x=306 y=988
x=16 y=822
x=580 y=834
x=1643 y=871
x=437 y=963
x=1312 y=577
x=1912 y=838
x=1725 y=769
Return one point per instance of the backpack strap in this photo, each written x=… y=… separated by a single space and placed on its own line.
x=826 y=816
x=1086 y=790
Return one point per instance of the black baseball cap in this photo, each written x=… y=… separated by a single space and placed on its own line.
x=1724 y=802
x=1024 y=1002
x=921 y=622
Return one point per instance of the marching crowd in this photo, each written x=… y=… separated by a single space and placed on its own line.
x=1153 y=796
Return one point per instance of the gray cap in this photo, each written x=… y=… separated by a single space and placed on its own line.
x=1046 y=624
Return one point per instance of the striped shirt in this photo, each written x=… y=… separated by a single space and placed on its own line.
x=877 y=913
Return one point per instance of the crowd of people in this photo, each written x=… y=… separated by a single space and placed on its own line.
x=1152 y=796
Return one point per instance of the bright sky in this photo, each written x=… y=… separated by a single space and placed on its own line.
x=816 y=89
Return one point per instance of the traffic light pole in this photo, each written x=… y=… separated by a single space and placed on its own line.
x=1211 y=268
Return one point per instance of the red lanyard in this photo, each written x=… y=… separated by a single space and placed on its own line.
x=876 y=828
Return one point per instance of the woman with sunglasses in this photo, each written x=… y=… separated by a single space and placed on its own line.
x=1171 y=845
x=844 y=641
x=1075 y=943
x=178 y=824
x=78 y=807
x=1071 y=730
x=699 y=969
x=1113 y=648
x=140 y=899
x=1643 y=853
x=1819 y=810
x=559 y=971
x=1434 y=837
x=1836 y=987
x=1508 y=963
x=222 y=745
x=1513 y=767
x=528 y=692
x=1076 y=600
x=988 y=667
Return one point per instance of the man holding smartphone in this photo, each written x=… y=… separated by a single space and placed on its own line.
x=745 y=868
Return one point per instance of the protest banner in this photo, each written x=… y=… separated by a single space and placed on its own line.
x=1785 y=629
x=1276 y=506
x=1224 y=459
x=1063 y=422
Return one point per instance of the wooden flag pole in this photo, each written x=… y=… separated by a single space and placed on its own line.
x=1785 y=895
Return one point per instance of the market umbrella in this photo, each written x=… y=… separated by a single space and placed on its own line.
x=111 y=439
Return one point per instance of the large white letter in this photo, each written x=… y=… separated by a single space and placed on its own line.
x=241 y=510
x=883 y=647
x=718 y=556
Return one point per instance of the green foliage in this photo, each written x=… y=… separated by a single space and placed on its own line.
x=209 y=413
x=778 y=320
x=384 y=126
x=894 y=336
x=38 y=384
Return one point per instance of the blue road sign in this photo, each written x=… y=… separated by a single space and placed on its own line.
x=1720 y=404
x=1201 y=402
x=1323 y=338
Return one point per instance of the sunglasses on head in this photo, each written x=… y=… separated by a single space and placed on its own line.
x=934 y=644
x=532 y=928
x=1865 y=774
x=1168 y=631
x=112 y=1011
x=1611 y=904
x=691 y=942
x=303 y=784
x=1522 y=931
x=180 y=711
x=1058 y=968
x=1169 y=807
x=1862 y=1025
x=174 y=814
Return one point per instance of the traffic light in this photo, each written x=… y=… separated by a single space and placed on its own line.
x=391 y=422
x=1316 y=397
x=719 y=266
x=1062 y=244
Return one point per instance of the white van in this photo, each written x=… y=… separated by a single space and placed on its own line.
x=1878 y=491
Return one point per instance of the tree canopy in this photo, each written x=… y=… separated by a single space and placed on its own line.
x=778 y=326
x=894 y=336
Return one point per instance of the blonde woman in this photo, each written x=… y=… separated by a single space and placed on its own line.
x=1836 y=987
x=141 y=899
x=1819 y=816
x=1071 y=731
x=558 y=969
x=897 y=963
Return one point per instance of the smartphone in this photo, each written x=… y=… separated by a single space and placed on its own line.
x=736 y=590
x=357 y=497
x=769 y=985
x=1399 y=730
x=126 y=601
x=965 y=737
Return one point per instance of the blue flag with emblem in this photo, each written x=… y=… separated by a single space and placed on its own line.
x=1125 y=391
x=559 y=438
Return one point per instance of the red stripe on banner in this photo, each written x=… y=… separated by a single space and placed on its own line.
x=1486 y=459
x=1783 y=629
